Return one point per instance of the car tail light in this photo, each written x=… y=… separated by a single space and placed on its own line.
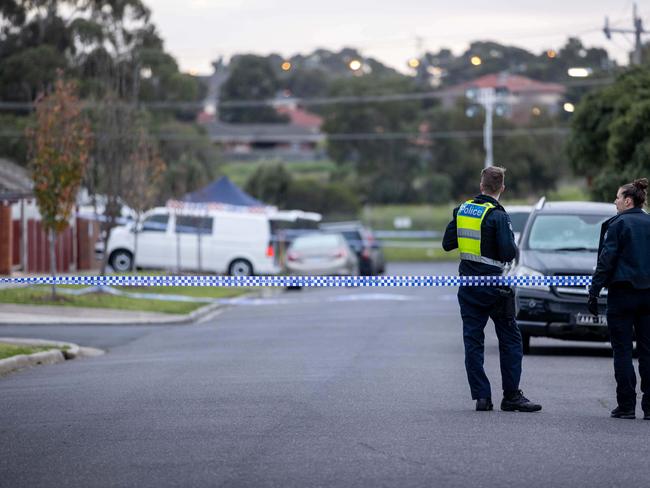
x=270 y=251
x=341 y=253
x=365 y=253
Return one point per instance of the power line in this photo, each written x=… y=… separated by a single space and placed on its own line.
x=372 y=136
x=317 y=101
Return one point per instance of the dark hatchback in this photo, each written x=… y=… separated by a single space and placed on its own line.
x=560 y=238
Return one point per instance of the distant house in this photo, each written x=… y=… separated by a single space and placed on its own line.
x=523 y=97
x=299 y=139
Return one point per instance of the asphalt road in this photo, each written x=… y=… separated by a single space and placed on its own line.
x=323 y=387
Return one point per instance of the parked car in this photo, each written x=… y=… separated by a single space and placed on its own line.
x=320 y=253
x=560 y=238
x=234 y=243
x=518 y=216
x=363 y=242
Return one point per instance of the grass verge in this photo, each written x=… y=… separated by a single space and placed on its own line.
x=9 y=350
x=41 y=296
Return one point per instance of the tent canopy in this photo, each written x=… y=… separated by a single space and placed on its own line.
x=223 y=191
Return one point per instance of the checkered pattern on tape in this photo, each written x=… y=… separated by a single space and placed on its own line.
x=304 y=281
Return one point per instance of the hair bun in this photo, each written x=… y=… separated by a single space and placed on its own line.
x=641 y=183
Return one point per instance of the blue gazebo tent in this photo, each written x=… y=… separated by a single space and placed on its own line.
x=225 y=192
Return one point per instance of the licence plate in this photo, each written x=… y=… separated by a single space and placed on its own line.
x=588 y=319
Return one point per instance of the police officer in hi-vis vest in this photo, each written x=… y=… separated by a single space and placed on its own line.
x=482 y=232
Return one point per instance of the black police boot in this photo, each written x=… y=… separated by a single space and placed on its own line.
x=484 y=404
x=623 y=413
x=519 y=403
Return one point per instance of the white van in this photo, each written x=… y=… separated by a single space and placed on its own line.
x=234 y=243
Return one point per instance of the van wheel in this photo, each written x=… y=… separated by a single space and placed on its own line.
x=240 y=267
x=121 y=260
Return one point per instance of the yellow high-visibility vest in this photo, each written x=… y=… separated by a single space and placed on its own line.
x=469 y=219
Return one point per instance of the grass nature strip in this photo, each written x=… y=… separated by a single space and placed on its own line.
x=41 y=296
x=9 y=350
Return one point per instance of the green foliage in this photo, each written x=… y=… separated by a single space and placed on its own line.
x=59 y=149
x=191 y=158
x=28 y=72
x=273 y=184
x=13 y=144
x=328 y=199
x=270 y=184
x=252 y=78
x=384 y=165
x=610 y=137
x=497 y=58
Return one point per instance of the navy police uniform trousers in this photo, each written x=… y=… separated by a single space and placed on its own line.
x=477 y=304
x=628 y=315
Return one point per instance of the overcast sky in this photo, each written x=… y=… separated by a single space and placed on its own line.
x=199 y=31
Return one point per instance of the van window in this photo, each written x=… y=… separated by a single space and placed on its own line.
x=155 y=223
x=190 y=224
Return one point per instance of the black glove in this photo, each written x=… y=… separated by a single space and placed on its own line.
x=592 y=305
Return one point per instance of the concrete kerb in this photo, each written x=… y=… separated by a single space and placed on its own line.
x=204 y=311
x=71 y=351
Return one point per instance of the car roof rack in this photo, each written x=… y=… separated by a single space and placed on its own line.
x=540 y=203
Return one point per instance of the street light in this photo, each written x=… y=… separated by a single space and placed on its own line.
x=579 y=72
x=551 y=53
x=569 y=107
x=414 y=63
x=286 y=66
x=476 y=61
x=355 y=65
x=146 y=73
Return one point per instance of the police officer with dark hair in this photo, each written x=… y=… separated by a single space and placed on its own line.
x=624 y=267
x=482 y=231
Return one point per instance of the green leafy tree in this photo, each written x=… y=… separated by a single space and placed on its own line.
x=59 y=148
x=270 y=184
x=143 y=176
x=383 y=160
x=192 y=159
x=610 y=139
x=252 y=78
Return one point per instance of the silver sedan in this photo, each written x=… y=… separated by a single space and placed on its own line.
x=320 y=253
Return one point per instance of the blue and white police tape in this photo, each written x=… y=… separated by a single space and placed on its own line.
x=303 y=281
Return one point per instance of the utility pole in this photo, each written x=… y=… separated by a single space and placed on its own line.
x=638 y=30
x=487 y=98
x=491 y=100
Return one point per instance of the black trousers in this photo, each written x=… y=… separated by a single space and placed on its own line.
x=477 y=304
x=628 y=315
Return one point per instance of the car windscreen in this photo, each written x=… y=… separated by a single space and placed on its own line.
x=565 y=232
x=314 y=242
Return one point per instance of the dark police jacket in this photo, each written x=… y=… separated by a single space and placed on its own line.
x=497 y=240
x=623 y=252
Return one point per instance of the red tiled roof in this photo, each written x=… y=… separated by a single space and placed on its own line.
x=514 y=84
x=300 y=117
